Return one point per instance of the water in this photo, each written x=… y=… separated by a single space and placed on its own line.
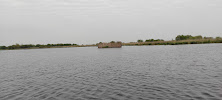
x=185 y=72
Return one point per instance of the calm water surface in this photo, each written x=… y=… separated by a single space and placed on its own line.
x=185 y=72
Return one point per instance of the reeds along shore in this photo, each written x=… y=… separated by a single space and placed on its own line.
x=174 y=42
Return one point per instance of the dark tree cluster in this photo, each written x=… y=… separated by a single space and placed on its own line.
x=139 y=40
x=153 y=40
x=112 y=42
x=188 y=37
x=150 y=40
x=218 y=38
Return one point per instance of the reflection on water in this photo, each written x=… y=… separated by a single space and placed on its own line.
x=187 y=72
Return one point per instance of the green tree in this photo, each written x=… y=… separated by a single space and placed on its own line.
x=184 y=37
x=3 y=47
x=152 y=40
x=67 y=44
x=112 y=42
x=218 y=37
x=140 y=40
x=198 y=37
x=37 y=45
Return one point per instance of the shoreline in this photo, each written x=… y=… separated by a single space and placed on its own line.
x=174 y=42
x=50 y=47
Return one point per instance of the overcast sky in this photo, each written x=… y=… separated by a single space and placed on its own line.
x=92 y=21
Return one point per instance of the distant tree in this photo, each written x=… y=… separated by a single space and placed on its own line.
x=3 y=47
x=140 y=40
x=11 y=47
x=208 y=37
x=42 y=46
x=112 y=42
x=59 y=44
x=24 y=46
x=152 y=40
x=147 y=40
x=17 y=45
x=198 y=37
x=187 y=37
x=67 y=44
x=218 y=37
x=37 y=45
x=27 y=46
x=53 y=44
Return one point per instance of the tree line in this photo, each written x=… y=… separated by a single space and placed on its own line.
x=194 y=40
x=150 y=40
x=181 y=37
x=18 y=46
x=190 y=37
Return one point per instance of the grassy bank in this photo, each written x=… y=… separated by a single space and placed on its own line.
x=31 y=46
x=174 y=42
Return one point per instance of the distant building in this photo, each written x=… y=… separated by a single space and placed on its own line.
x=110 y=45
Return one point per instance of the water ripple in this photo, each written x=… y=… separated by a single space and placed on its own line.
x=129 y=73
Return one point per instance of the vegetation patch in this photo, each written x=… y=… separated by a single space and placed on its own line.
x=105 y=47
x=29 y=46
x=179 y=40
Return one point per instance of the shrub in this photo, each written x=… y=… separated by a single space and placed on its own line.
x=105 y=47
x=139 y=40
x=112 y=42
x=3 y=47
x=187 y=37
x=193 y=42
x=153 y=40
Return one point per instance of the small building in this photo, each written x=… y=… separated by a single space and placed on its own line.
x=110 y=45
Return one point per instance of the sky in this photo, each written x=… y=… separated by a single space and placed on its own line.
x=93 y=21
